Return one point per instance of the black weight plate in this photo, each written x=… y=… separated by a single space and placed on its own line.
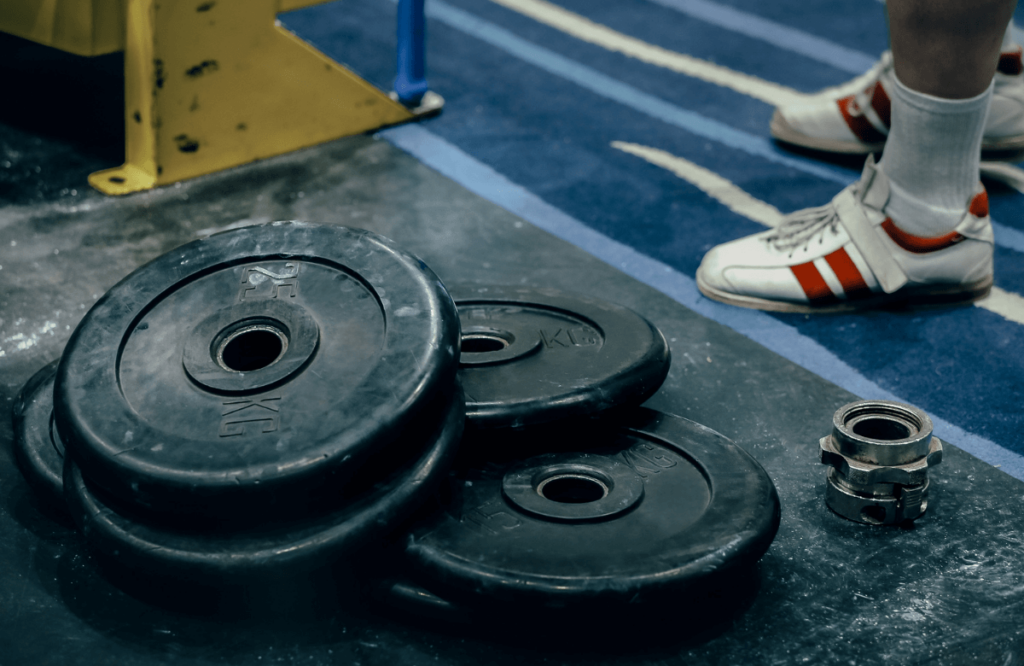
x=532 y=356
x=651 y=504
x=682 y=616
x=169 y=396
x=216 y=552
x=412 y=599
x=38 y=449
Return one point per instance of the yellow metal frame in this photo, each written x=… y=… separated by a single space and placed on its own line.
x=209 y=84
x=82 y=27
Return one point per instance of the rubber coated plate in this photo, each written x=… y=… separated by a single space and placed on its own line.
x=411 y=599
x=37 y=447
x=259 y=366
x=652 y=505
x=697 y=611
x=216 y=552
x=535 y=355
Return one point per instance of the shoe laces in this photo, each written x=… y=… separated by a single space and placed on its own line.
x=802 y=227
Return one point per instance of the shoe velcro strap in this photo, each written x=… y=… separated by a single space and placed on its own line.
x=860 y=230
x=873 y=188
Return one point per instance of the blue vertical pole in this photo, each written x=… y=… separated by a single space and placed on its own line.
x=411 y=81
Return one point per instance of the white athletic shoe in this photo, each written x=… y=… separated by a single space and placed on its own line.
x=847 y=255
x=854 y=118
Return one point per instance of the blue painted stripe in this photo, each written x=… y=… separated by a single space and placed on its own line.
x=776 y=34
x=1008 y=237
x=623 y=93
x=782 y=339
x=650 y=105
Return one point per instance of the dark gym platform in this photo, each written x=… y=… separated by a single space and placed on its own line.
x=948 y=590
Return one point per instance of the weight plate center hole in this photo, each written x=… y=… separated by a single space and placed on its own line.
x=881 y=429
x=478 y=343
x=572 y=489
x=250 y=348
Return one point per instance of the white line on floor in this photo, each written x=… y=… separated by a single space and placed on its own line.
x=767 y=91
x=586 y=30
x=715 y=186
x=776 y=34
x=1007 y=304
x=768 y=331
x=657 y=108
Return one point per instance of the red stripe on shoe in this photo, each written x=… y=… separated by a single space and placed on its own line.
x=880 y=103
x=919 y=244
x=979 y=204
x=1011 y=63
x=813 y=284
x=858 y=124
x=848 y=274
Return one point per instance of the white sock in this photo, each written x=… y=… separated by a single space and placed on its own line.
x=931 y=158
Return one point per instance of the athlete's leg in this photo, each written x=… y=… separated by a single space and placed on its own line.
x=947 y=48
x=916 y=226
x=854 y=117
x=944 y=56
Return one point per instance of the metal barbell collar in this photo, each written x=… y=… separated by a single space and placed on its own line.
x=878 y=454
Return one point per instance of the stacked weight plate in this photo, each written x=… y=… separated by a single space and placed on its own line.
x=38 y=449
x=650 y=509
x=278 y=398
x=536 y=356
x=566 y=495
x=265 y=400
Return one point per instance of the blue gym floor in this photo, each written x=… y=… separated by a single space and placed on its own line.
x=530 y=116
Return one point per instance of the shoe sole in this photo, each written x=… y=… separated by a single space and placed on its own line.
x=1005 y=144
x=910 y=298
x=783 y=131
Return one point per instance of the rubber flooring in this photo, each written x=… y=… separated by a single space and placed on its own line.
x=545 y=109
x=517 y=182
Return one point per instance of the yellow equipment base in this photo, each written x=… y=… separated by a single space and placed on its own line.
x=82 y=27
x=215 y=84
